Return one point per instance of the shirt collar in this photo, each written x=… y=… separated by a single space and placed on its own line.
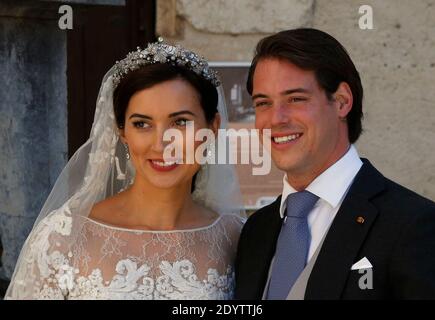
x=332 y=184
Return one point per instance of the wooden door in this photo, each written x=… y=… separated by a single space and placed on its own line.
x=100 y=36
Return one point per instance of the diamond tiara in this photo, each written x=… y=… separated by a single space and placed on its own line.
x=161 y=52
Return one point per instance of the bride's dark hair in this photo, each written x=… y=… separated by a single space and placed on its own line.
x=152 y=74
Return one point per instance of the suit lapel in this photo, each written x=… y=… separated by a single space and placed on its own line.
x=345 y=236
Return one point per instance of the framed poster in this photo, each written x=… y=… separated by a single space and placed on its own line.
x=257 y=190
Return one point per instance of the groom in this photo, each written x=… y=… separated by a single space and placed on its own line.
x=340 y=229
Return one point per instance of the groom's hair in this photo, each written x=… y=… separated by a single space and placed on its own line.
x=315 y=50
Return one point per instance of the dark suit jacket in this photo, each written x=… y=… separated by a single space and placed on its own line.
x=397 y=237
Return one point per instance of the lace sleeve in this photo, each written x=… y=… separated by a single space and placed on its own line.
x=40 y=272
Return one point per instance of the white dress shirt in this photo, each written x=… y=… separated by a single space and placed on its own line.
x=331 y=187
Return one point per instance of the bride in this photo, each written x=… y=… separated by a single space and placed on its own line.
x=120 y=222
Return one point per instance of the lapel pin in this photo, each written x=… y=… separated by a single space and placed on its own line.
x=360 y=220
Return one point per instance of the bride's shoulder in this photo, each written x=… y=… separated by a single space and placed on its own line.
x=236 y=218
x=103 y=211
x=233 y=221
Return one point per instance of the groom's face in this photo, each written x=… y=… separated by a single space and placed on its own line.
x=305 y=124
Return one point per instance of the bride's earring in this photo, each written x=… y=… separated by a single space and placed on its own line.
x=121 y=175
x=127 y=152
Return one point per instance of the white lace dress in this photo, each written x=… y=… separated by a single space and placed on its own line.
x=106 y=262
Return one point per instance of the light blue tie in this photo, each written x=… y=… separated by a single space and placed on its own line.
x=292 y=246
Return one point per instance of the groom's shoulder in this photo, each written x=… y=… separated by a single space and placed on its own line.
x=391 y=195
x=403 y=198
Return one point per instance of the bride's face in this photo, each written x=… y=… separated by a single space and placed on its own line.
x=152 y=111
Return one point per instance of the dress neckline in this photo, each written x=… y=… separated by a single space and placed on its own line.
x=105 y=225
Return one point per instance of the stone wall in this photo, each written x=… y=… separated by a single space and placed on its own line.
x=33 y=122
x=396 y=61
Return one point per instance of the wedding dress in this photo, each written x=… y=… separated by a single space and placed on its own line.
x=108 y=262
x=70 y=256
